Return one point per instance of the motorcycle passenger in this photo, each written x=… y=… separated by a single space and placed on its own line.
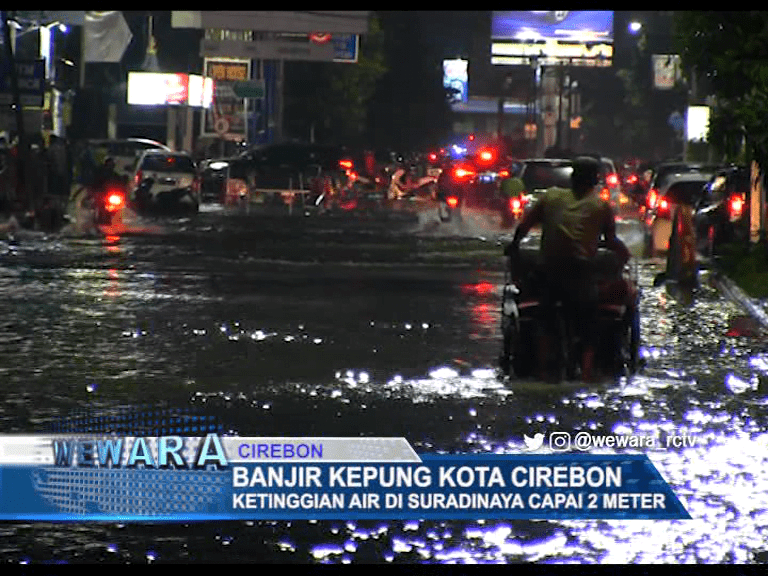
x=572 y=222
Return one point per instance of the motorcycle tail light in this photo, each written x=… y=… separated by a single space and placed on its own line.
x=452 y=201
x=605 y=195
x=735 y=207
x=115 y=200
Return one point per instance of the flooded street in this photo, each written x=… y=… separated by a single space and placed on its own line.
x=331 y=326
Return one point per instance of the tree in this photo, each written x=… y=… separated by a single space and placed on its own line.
x=410 y=109
x=730 y=51
x=328 y=101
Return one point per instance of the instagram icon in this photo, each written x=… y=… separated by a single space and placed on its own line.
x=560 y=441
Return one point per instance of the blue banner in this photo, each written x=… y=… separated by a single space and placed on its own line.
x=169 y=479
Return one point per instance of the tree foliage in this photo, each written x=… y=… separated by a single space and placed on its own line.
x=730 y=51
x=329 y=100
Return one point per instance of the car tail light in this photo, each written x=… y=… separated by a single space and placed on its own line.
x=735 y=207
x=463 y=173
x=632 y=179
x=486 y=156
x=432 y=157
x=139 y=178
x=452 y=201
x=115 y=200
x=653 y=197
x=663 y=208
x=612 y=180
x=605 y=195
x=346 y=164
x=504 y=173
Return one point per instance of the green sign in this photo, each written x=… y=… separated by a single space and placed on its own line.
x=249 y=89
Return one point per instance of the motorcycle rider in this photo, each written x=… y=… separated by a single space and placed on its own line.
x=572 y=222
x=105 y=176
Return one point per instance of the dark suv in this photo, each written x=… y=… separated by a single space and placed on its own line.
x=722 y=214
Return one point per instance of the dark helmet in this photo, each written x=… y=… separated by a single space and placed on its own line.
x=586 y=172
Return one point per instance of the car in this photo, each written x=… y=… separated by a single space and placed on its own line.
x=165 y=181
x=610 y=184
x=665 y=170
x=476 y=177
x=680 y=193
x=124 y=151
x=722 y=214
x=540 y=174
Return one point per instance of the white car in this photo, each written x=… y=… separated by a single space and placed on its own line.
x=165 y=181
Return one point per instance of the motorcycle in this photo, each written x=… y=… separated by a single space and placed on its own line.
x=107 y=206
x=448 y=204
x=618 y=319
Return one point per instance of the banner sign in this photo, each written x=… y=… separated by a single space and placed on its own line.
x=345 y=47
x=268 y=50
x=31 y=78
x=574 y=37
x=228 y=108
x=456 y=78
x=666 y=71
x=173 y=478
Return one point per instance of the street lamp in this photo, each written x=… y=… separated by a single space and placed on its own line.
x=635 y=27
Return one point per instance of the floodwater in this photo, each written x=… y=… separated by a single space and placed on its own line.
x=341 y=326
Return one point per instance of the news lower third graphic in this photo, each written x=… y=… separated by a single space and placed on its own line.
x=101 y=477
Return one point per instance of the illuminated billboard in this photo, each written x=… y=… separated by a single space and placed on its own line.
x=456 y=78
x=158 y=89
x=577 y=37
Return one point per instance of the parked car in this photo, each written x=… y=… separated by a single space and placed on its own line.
x=722 y=213
x=680 y=193
x=165 y=182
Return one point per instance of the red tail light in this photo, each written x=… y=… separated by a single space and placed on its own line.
x=139 y=178
x=115 y=200
x=346 y=164
x=432 y=157
x=735 y=206
x=452 y=201
x=605 y=195
x=504 y=174
x=463 y=173
x=515 y=204
x=632 y=179
x=486 y=156
x=663 y=208
x=612 y=180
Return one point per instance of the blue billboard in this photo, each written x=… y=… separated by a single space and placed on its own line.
x=543 y=25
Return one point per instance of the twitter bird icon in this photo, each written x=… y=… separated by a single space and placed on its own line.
x=534 y=443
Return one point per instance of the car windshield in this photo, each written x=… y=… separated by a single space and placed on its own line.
x=546 y=175
x=167 y=163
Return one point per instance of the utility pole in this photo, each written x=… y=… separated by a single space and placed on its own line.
x=22 y=145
